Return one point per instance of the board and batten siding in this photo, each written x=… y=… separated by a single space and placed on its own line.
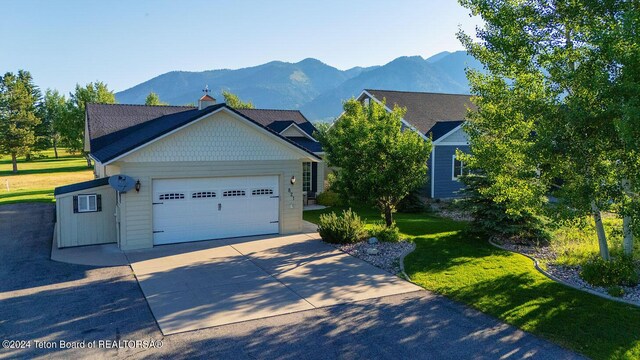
x=221 y=145
x=90 y=228
x=442 y=173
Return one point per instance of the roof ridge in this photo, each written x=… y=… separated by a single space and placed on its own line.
x=418 y=92
x=143 y=105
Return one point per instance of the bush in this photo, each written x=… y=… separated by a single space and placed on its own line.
x=615 y=291
x=384 y=233
x=491 y=216
x=411 y=204
x=345 y=229
x=620 y=271
x=329 y=198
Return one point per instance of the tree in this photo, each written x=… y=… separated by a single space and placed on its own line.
x=53 y=112
x=377 y=162
x=234 y=101
x=551 y=50
x=71 y=127
x=154 y=100
x=18 y=119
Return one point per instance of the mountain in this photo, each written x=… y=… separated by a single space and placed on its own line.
x=310 y=85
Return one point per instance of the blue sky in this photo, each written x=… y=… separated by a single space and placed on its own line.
x=126 y=42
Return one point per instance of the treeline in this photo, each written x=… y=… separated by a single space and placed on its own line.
x=32 y=121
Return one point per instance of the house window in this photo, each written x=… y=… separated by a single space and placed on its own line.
x=306 y=176
x=366 y=102
x=458 y=168
x=86 y=203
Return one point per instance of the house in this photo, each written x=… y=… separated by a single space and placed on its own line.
x=200 y=173
x=439 y=117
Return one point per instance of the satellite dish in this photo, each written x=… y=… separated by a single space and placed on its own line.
x=122 y=183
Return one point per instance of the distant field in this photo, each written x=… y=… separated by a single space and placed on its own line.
x=36 y=179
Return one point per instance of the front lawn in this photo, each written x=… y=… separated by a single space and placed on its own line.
x=36 y=179
x=507 y=286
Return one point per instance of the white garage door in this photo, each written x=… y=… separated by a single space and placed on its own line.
x=214 y=208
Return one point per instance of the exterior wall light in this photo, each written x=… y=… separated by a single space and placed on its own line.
x=293 y=180
x=138 y=186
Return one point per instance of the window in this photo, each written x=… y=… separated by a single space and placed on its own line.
x=262 y=192
x=203 y=194
x=366 y=102
x=171 y=196
x=87 y=203
x=306 y=176
x=230 y=193
x=458 y=168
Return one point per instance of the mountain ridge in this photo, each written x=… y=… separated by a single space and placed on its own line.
x=310 y=85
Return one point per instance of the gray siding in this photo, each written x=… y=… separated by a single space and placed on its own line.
x=77 y=229
x=443 y=184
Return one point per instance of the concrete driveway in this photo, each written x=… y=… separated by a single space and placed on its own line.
x=198 y=285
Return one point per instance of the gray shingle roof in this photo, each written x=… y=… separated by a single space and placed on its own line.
x=278 y=120
x=116 y=138
x=424 y=109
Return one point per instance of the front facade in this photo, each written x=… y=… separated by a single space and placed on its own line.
x=200 y=174
x=439 y=117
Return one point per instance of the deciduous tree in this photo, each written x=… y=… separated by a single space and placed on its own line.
x=376 y=160
x=154 y=100
x=234 y=101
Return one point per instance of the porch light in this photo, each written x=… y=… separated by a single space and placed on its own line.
x=293 y=180
x=138 y=186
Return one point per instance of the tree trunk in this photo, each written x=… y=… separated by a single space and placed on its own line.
x=14 y=162
x=627 y=242
x=602 y=236
x=55 y=148
x=27 y=157
x=388 y=215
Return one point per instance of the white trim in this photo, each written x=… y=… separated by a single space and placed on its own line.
x=453 y=168
x=299 y=129
x=436 y=142
x=88 y=209
x=258 y=127
x=405 y=122
x=433 y=171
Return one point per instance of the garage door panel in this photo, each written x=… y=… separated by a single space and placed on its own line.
x=213 y=208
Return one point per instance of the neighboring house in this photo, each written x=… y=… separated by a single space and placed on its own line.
x=201 y=173
x=439 y=117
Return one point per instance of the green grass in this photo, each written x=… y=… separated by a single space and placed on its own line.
x=36 y=179
x=506 y=286
x=576 y=241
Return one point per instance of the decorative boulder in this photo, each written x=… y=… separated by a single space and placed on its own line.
x=373 y=240
x=372 y=251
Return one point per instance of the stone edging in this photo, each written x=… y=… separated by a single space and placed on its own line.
x=556 y=279
x=401 y=260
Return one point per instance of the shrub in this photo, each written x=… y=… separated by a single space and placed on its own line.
x=615 y=290
x=344 y=229
x=329 y=198
x=384 y=233
x=411 y=204
x=620 y=271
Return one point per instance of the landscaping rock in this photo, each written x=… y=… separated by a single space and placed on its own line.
x=387 y=257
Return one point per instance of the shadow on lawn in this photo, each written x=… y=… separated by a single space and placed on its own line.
x=44 y=171
x=506 y=285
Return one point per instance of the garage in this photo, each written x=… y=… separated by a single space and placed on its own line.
x=213 y=208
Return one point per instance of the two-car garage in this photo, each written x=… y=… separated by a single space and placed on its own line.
x=213 y=208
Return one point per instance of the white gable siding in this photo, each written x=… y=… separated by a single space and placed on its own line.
x=457 y=137
x=293 y=131
x=220 y=137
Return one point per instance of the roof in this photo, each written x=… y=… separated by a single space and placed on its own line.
x=425 y=109
x=442 y=128
x=207 y=97
x=111 y=145
x=81 y=186
x=313 y=146
x=278 y=120
x=105 y=119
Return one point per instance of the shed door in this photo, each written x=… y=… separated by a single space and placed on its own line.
x=214 y=208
